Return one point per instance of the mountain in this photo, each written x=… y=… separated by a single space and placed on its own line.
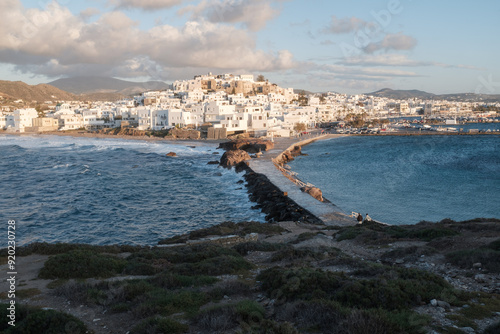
x=43 y=92
x=409 y=94
x=92 y=85
x=402 y=94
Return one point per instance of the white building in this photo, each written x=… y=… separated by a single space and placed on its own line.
x=24 y=118
x=7 y=121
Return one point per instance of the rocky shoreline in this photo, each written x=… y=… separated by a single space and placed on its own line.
x=269 y=198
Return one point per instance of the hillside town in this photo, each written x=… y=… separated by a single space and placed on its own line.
x=225 y=105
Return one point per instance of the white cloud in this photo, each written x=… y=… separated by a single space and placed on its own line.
x=114 y=44
x=392 y=42
x=398 y=60
x=345 y=25
x=145 y=4
x=253 y=14
x=89 y=12
x=383 y=60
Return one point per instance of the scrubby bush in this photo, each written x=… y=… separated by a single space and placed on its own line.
x=493 y=329
x=299 y=283
x=421 y=233
x=217 y=319
x=165 y=302
x=82 y=264
x=250 y=311
x=227 y=228
x=489 y=258
x=45 y=248
x=34 y=320
x=391 y=289
x=220 y=265
x=349 y=233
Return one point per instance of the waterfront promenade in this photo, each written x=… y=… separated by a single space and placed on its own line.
x=328 y=212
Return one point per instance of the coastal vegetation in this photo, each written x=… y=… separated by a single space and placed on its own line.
x=294 y=278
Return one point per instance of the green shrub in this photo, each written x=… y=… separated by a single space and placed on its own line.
x=135 y=288
x=227 y=228
x=138 y=267
x=81 y=264
x=391 y=289
x=292 y=254
x=184 y=254
x=220 y=265
x=416 y=232
x=349 y=233
x=322 y=316
x=299 y=283
x=218 y=319
x=45 y=248
x=102 y=293
x=250 y=311
x=164 y=302
x=33 y=320
x=489 y=258
x=493 y=329
x=495 y=245
x=159 y=325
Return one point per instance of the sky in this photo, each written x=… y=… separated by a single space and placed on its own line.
x=352 y=47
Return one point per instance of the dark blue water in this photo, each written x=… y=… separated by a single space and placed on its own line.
x=107 y=191
x=403 y=180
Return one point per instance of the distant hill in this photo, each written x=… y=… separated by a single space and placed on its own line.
x=101 y=85
x=402 y=94
x=43 y=92
x=409 y=94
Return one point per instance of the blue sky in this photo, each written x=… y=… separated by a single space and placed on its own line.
x=344 y=46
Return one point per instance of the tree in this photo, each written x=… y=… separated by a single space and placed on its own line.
x=261 y=78
x=303 y=100
x=299 y=127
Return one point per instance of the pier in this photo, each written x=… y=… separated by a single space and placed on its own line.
x=326 y=211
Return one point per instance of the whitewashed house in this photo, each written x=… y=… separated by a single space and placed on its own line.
x=23 y=118
x=7 y=121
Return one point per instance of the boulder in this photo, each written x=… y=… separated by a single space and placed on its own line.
x=171 y=154
x=296 y=151
x=248 y=145
x=233 y=158
x=185 y=134
x=314 y=192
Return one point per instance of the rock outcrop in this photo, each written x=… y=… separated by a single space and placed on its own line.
x=123 y=132
x=248 y=145
x=274 y=203
x=185 y=134
x=233 y=158
x=289 y=155
x=314 y=192
x=171 y=154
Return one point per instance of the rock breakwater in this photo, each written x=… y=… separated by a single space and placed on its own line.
x=269 y=198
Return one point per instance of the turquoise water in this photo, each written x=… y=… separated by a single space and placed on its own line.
x=111 y=191
x=407 y=179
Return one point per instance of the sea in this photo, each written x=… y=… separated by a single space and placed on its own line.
x=407 y=179
x=115 y=191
